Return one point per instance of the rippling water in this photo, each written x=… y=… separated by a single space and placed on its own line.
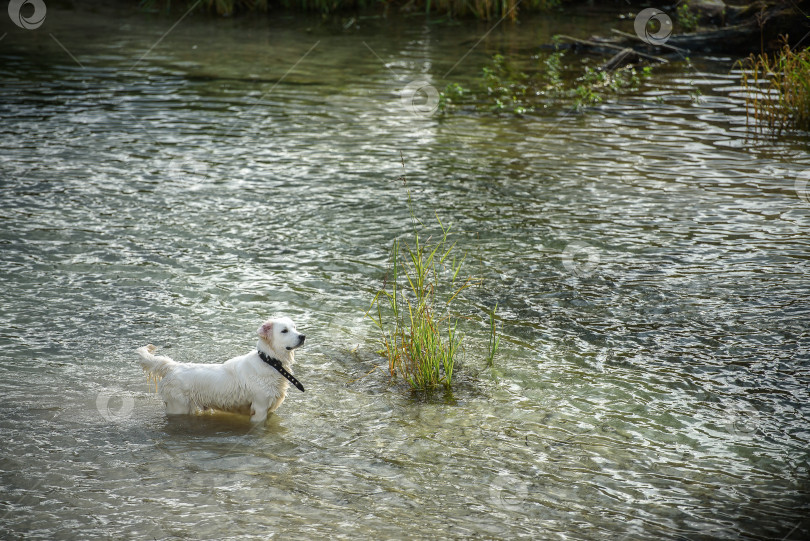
x=648 y=257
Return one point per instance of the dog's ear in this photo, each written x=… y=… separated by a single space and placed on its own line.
x=266 y=331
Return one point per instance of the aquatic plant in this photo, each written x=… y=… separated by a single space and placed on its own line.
x=452 y=95
x=413 y=309
x=595 y=82
x=505 y=88
x=777 y=90
x=553 y=71
x=687 y=17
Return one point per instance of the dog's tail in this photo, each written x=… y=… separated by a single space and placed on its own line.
x=155 y=366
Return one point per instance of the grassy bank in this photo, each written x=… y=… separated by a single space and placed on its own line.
x=778 y=90
x=479 y=9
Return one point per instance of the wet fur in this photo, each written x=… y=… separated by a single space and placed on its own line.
x=243 y=385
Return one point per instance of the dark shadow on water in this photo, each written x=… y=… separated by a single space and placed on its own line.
x=220 y=424
x=439 y=395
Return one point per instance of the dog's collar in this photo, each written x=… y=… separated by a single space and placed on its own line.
x=275 y=363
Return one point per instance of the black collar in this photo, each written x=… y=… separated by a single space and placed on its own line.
x=275 y=363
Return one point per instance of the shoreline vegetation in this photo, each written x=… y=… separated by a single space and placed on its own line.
x=778 y=90
x=475 y=9
x=710 y=25
x=749 y=31
x=775 y=70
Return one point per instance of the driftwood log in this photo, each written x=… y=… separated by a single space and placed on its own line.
x=743 y=30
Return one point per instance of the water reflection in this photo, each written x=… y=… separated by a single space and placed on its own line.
x=649 y=263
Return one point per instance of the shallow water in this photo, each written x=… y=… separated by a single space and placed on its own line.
x=649 y=261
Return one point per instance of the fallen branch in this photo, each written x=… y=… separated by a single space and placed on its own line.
x=598 y=45
x=664 y=45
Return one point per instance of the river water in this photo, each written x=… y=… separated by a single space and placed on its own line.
x=178 y=185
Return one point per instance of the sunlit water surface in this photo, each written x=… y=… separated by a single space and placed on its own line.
x=649 y=261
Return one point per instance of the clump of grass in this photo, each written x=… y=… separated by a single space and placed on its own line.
x=418 y=331
x=778 y=90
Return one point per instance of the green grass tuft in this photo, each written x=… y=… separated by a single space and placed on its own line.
x=778 y=90
x=412 y=310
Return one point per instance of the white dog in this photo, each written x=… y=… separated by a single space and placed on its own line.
x=254 y=384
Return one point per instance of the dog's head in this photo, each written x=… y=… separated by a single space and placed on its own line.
x=280 y=335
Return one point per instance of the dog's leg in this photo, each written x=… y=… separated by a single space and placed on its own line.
x=258 y=410
x=274 y=406
x=177 y=407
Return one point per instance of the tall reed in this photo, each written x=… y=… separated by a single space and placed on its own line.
x=777 y=90
x=494 y=339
